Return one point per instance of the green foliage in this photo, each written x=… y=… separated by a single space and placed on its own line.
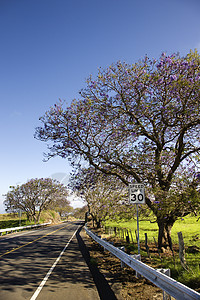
x=190 y=279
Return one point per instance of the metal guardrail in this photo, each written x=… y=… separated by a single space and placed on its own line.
x=22 y=227
x=167 y=284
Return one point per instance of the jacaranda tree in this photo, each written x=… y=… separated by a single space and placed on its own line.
x=34 y=196
x=105 y=196
x=138 y=122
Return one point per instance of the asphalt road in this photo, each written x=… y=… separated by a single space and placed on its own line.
x=45 y=264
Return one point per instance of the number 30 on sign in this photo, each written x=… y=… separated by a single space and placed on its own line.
x=136 y=193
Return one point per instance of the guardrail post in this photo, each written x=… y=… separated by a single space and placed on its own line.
x=104 y=249
x=168 y=273
x=138 y=257
x=122 y=263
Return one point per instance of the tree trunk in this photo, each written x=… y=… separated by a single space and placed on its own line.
x=28 y=216
x=38 y=217
x=98 y=223
x=93 y=219
x=35 y=218
x=164 y=234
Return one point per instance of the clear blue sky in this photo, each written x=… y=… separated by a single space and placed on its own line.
x=49 y=47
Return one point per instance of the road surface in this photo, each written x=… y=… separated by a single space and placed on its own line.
x=45 y=264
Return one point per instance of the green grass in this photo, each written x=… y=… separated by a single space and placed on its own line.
x=190 y=229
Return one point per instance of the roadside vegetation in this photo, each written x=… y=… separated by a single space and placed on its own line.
x=12 y=219
x=9 y=220
x=190 y=228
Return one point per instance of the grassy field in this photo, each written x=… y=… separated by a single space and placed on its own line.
x=190 y=229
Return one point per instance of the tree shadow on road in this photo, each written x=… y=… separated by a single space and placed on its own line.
x=104 y=289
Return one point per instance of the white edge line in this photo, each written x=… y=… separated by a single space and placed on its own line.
x=51 y=269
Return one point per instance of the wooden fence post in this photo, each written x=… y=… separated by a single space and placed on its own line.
x=124 y=233
x=131 y=235
x=115 y=230
x=127 y=237
x=136 y=235
x=146 y=245
x=181 y=250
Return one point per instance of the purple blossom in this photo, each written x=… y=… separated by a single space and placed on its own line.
x=160 y=81
x=198 y=176
x=160 y=65
x=173 y=77
x=169 y=60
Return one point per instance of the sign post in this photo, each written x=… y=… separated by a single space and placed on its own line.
x=136 y=196
x=20 y=216
x=138 y=231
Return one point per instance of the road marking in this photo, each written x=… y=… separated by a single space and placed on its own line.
x=31 y=241
x=51 y=269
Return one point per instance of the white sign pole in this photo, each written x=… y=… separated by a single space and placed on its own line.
x=136 y=196
x=138 y=231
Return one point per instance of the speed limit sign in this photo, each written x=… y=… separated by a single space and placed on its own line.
x=136 y=193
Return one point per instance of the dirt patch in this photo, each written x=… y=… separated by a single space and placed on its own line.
x=123 y=281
